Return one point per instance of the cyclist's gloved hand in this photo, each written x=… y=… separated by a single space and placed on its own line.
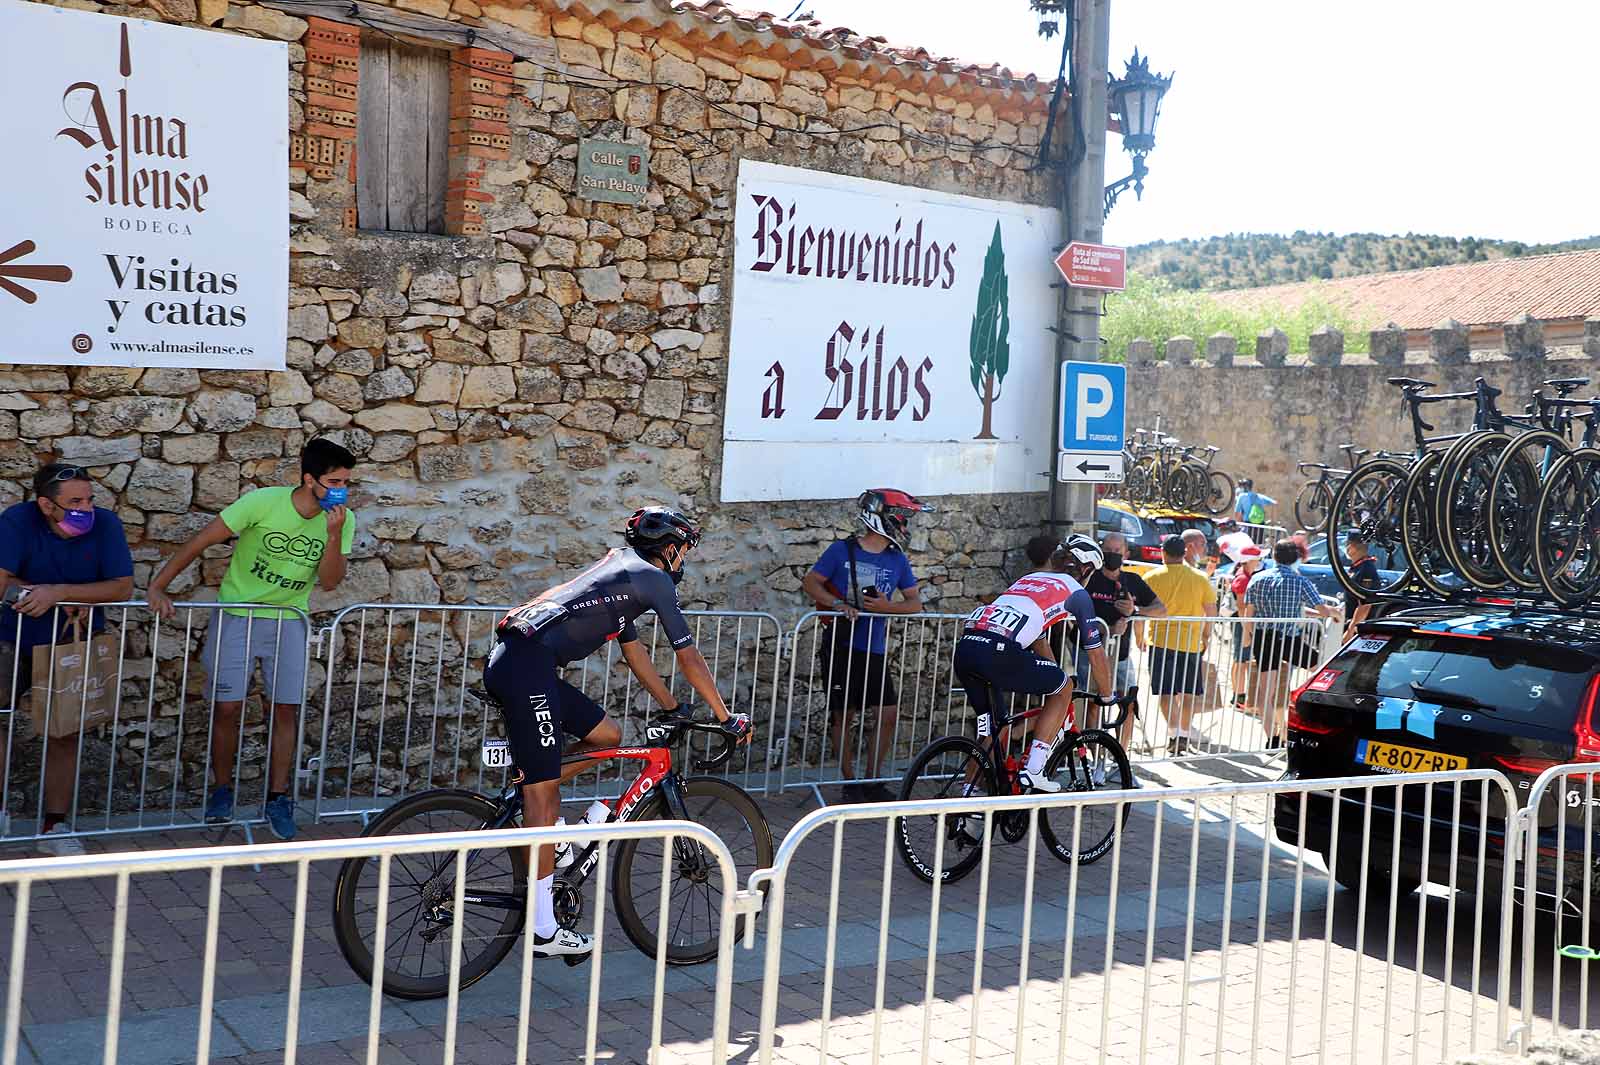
x=738 y=726
x=1107 y=700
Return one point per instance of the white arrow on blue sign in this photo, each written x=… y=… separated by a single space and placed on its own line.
x=1093 y=402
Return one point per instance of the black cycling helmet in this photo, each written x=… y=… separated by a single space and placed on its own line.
x=654 y=528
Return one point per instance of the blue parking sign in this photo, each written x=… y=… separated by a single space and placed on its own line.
x=1093 y=402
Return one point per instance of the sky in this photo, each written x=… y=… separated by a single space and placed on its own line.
x=1452 y=117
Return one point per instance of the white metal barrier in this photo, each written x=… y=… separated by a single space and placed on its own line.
x=398 y=714
x=1560 y=908
x=1264 y=535
x=230 y=879
x=1214 y=928
x=120 y=731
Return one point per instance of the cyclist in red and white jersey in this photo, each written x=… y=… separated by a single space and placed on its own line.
x=1004 y=646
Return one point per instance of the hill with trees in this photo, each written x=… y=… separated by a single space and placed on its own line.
x=1246 y=260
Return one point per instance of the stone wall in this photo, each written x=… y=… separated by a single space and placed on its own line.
x=515 y=389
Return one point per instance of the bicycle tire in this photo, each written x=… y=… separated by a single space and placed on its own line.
x=1073 y=764
x=472 y=807
x=1220 y=493
x=1461 y=516
x=1515 y=488
x=1312 y=505
x=1189 y=486
x=1426 y=555
x=1369 y=502
x=752 y=844
x=919 y=855
x=1567 y=528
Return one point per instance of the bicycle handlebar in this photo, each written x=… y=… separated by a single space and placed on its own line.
x=1127 y=703
x=682 y=720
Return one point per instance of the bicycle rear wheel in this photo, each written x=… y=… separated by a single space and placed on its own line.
x=1461 y=516
x=694 y=891
x=1369 y=503
x=951 y=768
x=1219 y=493
x=1566 y=526
x=1089 y=761
x=1514 y=493
x=421 y=892
x=1429 y=564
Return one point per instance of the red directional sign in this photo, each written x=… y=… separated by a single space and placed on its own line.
x=1094 y=266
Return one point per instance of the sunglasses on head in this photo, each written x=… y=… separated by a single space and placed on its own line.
x=69 y=473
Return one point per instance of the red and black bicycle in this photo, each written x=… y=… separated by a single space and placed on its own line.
x=957 y=767
x=416 y=961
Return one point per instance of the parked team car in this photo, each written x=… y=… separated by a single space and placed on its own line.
x=1144 y=528
x=1439 y=688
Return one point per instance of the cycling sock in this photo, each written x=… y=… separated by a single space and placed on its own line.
x=1036 y=756
x=544 y=907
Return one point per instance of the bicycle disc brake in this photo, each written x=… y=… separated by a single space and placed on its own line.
x=568 y=899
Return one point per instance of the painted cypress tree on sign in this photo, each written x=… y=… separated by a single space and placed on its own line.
x=989 y=344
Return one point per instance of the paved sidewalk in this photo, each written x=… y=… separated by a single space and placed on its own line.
x=1248 y=979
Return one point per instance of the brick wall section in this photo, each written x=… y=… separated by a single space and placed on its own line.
x=326 y=147
x=480 y=133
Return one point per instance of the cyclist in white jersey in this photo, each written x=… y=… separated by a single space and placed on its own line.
x=1004 y=646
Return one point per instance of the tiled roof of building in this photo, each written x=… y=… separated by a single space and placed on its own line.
x=714 y=18
x=1548 y=287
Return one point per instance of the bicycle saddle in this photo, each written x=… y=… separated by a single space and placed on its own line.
x=1409 y=383
x=1567 y=385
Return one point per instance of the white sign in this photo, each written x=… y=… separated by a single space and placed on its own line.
x=147 y=192
x=885 y=336
x=1094 y=467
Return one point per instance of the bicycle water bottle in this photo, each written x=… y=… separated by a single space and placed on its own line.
x=597 y=813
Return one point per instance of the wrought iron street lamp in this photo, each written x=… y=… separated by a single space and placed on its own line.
x=1135 y=98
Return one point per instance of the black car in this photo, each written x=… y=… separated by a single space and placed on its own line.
x=1445 y=688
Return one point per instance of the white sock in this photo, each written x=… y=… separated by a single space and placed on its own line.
x=544 y=907
x=1037 y=753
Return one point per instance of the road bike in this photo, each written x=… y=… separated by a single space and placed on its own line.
x=957 y=767
x=416 y=961
x=1163 y=471
x=1315 y=498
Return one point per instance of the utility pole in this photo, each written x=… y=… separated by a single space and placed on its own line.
x=1082 y=218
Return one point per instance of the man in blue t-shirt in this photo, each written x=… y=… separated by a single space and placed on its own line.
x=860 y=576
x=1250 y=505
x=55 y=548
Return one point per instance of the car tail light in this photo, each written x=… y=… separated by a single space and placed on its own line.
x=1531 y=766
x=1298 y=721
x=1150 y=554
x=1586 y=738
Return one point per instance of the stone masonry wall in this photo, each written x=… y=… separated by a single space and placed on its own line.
x=515 y=389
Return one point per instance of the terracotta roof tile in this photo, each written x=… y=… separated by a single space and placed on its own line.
x=1548 y=287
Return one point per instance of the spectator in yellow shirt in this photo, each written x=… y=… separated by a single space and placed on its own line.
x=1177 y=648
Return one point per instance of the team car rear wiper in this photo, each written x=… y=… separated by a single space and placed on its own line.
x=1453 y=698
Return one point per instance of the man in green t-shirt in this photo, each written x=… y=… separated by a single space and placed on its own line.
x=288 y=539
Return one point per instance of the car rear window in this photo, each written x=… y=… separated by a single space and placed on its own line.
x=1169 y=526
x=1510 y=678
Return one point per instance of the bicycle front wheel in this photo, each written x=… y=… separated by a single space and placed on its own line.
x=1514 y=493
x=1219 y=493
x=1461 y=515
x=1369 y=503
x=952 y=768
x=1311 y=505
x=1086 y=762
x=1566 y=528
x=421 y=894
x=695 y=888
x=1424 y=551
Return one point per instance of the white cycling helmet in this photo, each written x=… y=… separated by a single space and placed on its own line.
x=1083 y=551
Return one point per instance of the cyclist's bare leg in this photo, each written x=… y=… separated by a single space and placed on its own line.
x=606 y=734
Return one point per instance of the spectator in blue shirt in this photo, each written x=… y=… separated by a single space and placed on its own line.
x=858 y=576
x=55 y=548
x=1282 y=592
x=1251 y=505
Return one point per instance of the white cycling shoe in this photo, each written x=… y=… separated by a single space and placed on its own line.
x=1041 y=783
x=571 y=947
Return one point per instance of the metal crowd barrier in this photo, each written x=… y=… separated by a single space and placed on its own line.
x=133 y=721
x=232 y=881
x=917 y=669
x=1558 y=888
x=398 y=715
x=1131 y=959
x=1264 y=535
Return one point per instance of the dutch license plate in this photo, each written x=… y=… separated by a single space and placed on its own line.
x=1394 y=758
x=497 y=754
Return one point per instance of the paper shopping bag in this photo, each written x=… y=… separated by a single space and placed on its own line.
x=74 y=683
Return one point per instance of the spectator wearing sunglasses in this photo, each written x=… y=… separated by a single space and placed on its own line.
x=55 y=548
x=288 y=540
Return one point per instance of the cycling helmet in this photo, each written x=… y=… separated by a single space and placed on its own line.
x=1080 y=550
x=654 y=528
x=887 y=511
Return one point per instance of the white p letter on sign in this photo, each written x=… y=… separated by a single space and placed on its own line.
x=1098 y=387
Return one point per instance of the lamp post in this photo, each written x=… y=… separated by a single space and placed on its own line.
x=1135 y=98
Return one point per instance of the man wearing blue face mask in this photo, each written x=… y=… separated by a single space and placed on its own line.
x=289 y=539
x=55 y=548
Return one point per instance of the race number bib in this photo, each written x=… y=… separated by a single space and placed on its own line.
x=1001 y=620
x=497 y=754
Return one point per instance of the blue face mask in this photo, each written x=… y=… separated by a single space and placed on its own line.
x=334 y=497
